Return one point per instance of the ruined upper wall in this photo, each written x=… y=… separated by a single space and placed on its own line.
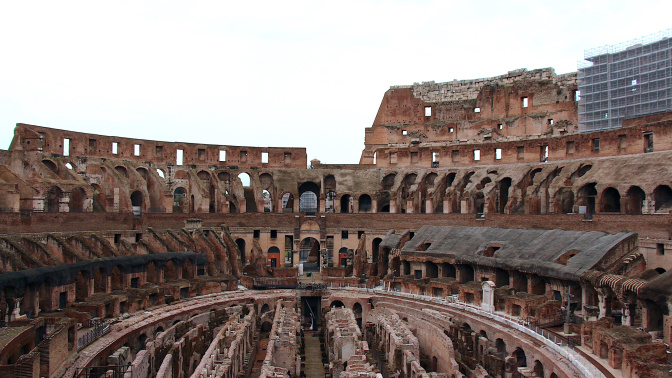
x=48 y=140
x=513 y=106
x=458 y=90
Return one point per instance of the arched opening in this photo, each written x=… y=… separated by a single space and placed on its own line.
x=121 y=170
x=268 y=201
x=346 y=203
x=611 y=201
x=503 y=198
x=662 y=196
x=383 y=202
x=309 y=254
x=501 y=277
x=273 y=258
x=635 y=197
x=336 y=304
x=466 y=273
x=241 y=250
x=448 y=270
x=500 y=346
x=479 y=203
x=265 y=308
x=388 y=181
x=244 y=178
x=330 y=202
x=308 y=197
x=99 y=281
x=519 y=356
x=287 y=203
x=204 y=176
x=51 y=165
x=170 y=272
x=357 y=310
x=587 y=195
x=157 y=331
x=54 y=195
x=142 y=340
x=660 y=270
x=431 y=270
x=117 y=279
x=342 y=257
x=77 y=200
x=375 y=247
x=180 y=200
x=187 y=270
x=565 y=198
x=266 y=327
x=151 y=273
x=364 y=203
x=99 y=199
x=248 y=192
x=136 y=202
x=82 y=286
x=538 y=369
x=143 y=173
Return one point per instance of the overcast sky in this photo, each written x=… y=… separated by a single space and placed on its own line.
x=275 y=73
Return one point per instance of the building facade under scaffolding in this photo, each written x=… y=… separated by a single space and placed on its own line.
x=626 y=80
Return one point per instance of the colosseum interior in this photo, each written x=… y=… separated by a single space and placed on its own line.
x=480 y=235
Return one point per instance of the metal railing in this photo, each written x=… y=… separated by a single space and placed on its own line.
x=560 y=345
x=112 y=371
x=98 y=328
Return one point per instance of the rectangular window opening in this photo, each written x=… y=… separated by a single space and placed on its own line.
x=360 y=234
x=498 y=154
x=414 y=157
x=477 y=110
x=525 y=102
x=274 y=234
x=660 y=249
x=66 y=147
x=570 y=148
x=393 y=158
x=544 y=154
x=577 y=95
x=648 y=142
x=288 y=157
x=179 y=157
x=456 y=155
x=344 y=234
x=521 y=152
x=550 y=121
x=201 y=154
x=428 y=111
x=596 y=144
x=404 y=132
x=93 y=144
x=450 y=129
x=257 y=233
x=115 y=148
x=159 y=151
x=136 y=150
x=264 y=157
x=477 y=155
x=222 y=155
x=500 y=126
x=243 y=156
x=435 y=157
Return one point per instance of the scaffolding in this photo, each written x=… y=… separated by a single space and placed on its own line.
x=626 y=80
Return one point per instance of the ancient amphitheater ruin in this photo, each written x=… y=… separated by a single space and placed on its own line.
x=482 y=234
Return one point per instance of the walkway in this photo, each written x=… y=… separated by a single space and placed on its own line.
x=314 y=367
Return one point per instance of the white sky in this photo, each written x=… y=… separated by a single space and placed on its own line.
x=275 y=73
